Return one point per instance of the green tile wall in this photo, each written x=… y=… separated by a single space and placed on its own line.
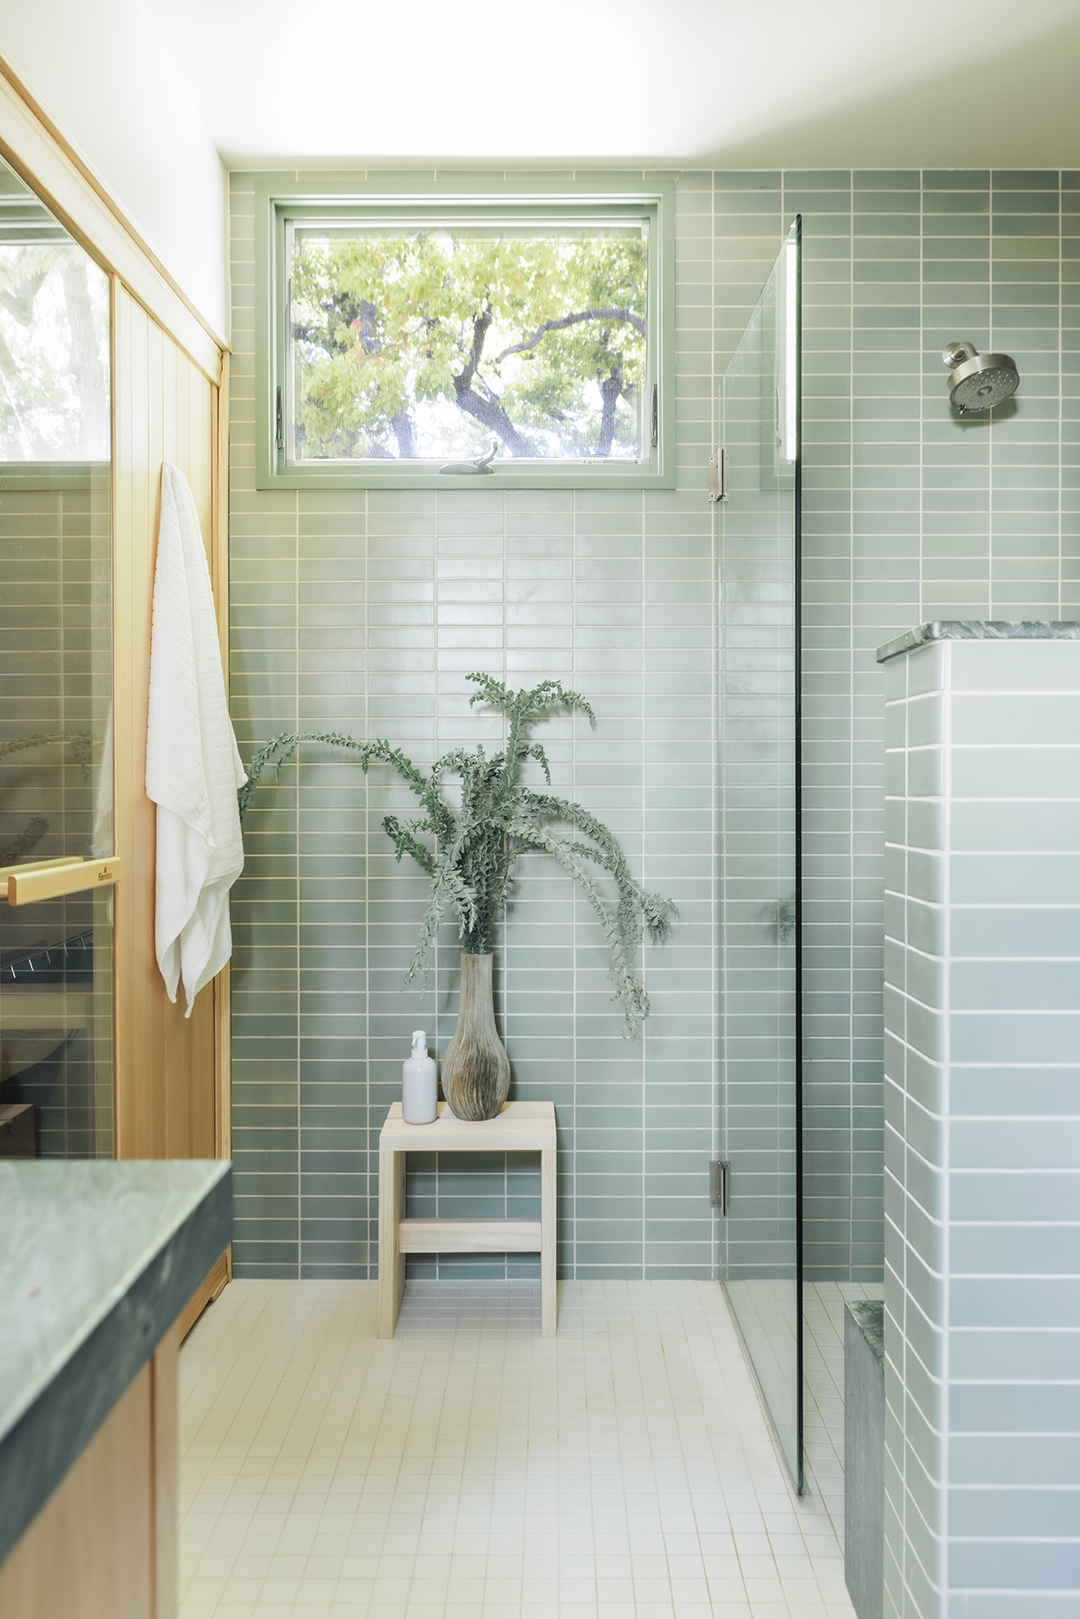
x=364 y=612
x=982 y=1154
x=55 y=675
x=910 y=514
x=755 y=829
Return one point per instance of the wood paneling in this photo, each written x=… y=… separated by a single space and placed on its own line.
x=104 y=1544
x=212 y=1288
x=165 y=1461
x=164 y=410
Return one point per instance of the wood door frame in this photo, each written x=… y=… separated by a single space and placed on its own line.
x=219 y=575
x=38 y=151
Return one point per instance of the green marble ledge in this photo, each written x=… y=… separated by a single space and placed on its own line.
x=96 y=1263
x=980 y=629
x=869 y=1317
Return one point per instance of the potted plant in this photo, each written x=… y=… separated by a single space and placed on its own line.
x=475 y=846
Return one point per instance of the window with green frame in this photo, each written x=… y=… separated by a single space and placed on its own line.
x=513 y=333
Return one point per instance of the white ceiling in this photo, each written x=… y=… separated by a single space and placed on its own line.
x=738 y=83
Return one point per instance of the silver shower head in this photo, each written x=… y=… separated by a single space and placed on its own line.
x=978 y=381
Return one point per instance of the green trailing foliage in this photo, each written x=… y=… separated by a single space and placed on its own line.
x=81 y=743
x=499 y=817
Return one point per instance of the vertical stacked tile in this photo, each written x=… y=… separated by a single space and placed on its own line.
x=1026 y=319
x=678 y=751
x=1069 y=418
x=339 y=625
x=911 y=514
x=956 y=468
x=533 y=617
x=755 y=792
x=264 y=699
x=678 y=805
x=364 y=612
x=32 y=661
x=982 y=1276
x=56 y=665
x=885 y=474
x=831 y=398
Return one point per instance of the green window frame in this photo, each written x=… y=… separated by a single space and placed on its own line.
x=473 y=198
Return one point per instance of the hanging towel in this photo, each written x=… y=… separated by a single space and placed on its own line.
x=192 y=765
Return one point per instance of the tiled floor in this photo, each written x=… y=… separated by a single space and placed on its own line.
x=470 y=1469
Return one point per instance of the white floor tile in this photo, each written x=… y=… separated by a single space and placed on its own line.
x=469 y=1469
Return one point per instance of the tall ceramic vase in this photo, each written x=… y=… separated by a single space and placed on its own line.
x=476 y=1069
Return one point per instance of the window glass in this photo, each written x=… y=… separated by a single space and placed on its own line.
x=504 y=326
x=54 y=337
x=449 y=341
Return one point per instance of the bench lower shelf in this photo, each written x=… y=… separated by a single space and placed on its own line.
x=469 y=1236
x=521 y=1126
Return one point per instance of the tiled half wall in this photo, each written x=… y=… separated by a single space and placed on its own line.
x=363 y=612
x=982 y=1329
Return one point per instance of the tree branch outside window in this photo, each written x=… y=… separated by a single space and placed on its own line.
x=423 y=344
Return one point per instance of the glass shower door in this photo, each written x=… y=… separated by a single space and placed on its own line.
x=759 y=801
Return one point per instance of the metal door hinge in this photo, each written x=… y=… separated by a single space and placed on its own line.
x=718 y=489
x=720 y=1184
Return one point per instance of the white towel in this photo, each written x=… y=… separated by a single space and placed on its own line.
x=192 y=765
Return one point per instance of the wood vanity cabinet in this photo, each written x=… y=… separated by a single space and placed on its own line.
x=101 y=1260
x=104 y=1545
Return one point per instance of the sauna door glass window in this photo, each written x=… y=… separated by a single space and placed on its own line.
x=55 y=691
x=54 y=339
x=413 y=336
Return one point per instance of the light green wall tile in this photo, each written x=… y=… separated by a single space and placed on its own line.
x=897 y=554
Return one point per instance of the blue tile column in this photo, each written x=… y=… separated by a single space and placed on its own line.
x=982 y=1178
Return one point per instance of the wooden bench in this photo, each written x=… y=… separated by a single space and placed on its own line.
x=520 y=1127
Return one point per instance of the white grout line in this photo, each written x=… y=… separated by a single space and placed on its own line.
x=470 y=1469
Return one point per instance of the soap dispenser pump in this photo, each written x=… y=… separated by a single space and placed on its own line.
x=419 y=1084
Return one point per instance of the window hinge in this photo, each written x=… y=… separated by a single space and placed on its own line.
x=718 y=489
x=655 y=414
x=280 y=420
x=720 y=1184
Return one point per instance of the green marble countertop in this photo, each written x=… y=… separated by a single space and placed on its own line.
x=98 y=1259
x=980 y=629
x=869 y=1316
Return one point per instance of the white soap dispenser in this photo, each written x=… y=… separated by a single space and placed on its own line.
x=419 y=1083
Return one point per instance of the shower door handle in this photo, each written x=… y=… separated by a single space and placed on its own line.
x=720 y=1183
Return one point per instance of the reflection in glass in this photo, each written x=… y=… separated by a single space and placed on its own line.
x=56 y=662
x=759 y=896
x=54 y=337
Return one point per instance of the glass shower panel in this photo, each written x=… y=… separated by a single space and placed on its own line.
x=759 y=901
x=56 y=974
